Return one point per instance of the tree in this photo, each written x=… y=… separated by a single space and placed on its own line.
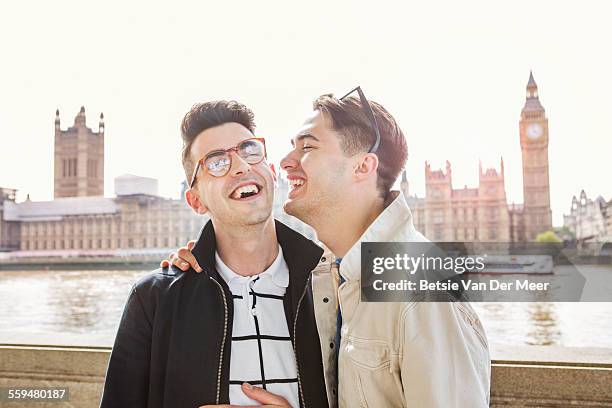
x=549 y=237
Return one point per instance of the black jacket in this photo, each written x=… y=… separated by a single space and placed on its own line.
x=173 y=344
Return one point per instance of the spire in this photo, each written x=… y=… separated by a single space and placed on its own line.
x=80 y=117
x=532 y=87
x=57 y=118
x=404 y=185
x=101 y=123
x=532 y=101
x=532 y=81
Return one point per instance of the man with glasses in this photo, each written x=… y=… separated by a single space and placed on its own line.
x=342 y=166
x=246 y=323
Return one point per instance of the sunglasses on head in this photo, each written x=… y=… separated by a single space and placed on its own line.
x=365 y=105
x=218 y=162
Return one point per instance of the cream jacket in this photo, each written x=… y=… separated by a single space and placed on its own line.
x=398 y=354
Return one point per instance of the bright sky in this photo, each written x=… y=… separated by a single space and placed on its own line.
x=453 y=73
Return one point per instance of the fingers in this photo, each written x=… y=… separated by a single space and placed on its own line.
x=178 y=262
x=263 y=396
x=182 y=259
x=260 y=395
x=187 y=259
x=218 y=406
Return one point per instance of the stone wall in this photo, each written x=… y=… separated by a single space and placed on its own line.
x=559 y=378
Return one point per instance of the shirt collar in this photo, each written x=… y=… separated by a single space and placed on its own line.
x=276 y=271
x=395 y=222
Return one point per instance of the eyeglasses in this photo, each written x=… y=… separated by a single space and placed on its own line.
x=218 y=162
x=370 y=114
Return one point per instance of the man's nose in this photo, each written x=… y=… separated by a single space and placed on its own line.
x=289 y=162
x=239 y=165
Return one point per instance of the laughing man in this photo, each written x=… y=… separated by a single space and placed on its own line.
x=245 y=324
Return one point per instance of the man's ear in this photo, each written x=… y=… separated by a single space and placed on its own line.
x=273 y=170
x=195 y=202
x=366 y=167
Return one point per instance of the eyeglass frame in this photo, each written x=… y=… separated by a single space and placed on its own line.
x=369 y=113
x=228 y=150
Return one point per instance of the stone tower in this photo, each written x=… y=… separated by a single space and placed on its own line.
x=79 y=158
x=438 y=193
x=493 y=218
x=404 y=185
x=534 y=147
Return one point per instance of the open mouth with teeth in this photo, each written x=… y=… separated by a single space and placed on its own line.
x=245 y=192
x=295 y=186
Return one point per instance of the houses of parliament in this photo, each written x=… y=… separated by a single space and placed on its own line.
x=81 y=219
x=482 y=213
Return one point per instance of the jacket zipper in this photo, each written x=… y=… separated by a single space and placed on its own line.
x=295 y=343
x=222 y=341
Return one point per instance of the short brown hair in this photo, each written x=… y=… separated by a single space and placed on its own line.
x=348 y=118
x=203 y=116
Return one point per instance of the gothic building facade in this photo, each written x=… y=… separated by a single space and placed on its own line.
x=482 y=213
x=590 y=220
x=78 y=158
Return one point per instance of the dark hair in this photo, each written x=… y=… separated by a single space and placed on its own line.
x=348 y=118
x=208 y=115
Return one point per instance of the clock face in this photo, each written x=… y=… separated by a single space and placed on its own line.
x=534 y=131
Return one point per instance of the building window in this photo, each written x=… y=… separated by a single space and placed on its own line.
x=437 y=234
x=493 y=234
x=438 y=217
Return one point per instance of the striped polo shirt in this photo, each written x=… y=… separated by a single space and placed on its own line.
x=262 y=353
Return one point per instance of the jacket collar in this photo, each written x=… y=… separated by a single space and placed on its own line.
x=392 y=225
x=301 y=255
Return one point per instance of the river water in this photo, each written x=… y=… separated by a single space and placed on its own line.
x=83 y=308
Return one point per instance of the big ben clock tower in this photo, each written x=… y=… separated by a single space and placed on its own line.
x=534 y=147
